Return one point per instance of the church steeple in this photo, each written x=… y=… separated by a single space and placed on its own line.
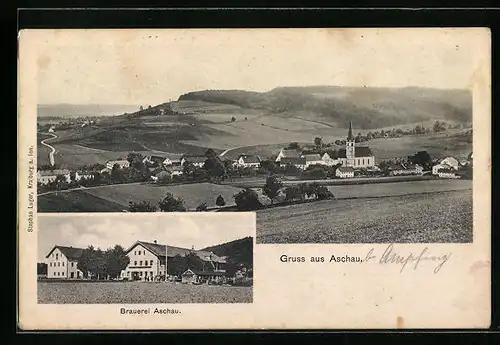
x=350 y=137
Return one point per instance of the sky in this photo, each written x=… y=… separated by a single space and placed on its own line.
x=106 y=230
x=143 y=67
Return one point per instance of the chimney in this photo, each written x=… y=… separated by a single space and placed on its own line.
x=154 y=241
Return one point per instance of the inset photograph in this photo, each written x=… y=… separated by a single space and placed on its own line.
x=140 y=258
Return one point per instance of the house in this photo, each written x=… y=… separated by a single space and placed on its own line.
x=161 y=176
x=447 y=173
x=148 y=261
x=123 y=163
x=312 y=159
x=287 y=153
x=197 y=161
x=202 y=277
x=48 y=176
x=248 y=161
x=174 y=170
x=344 y=172
x=406 y=169
x=330 y=158
x=168 y=161
x=297 y=162
x=153 y=160
x=88 y=175
x=449 y=163
x=51 y=129
x=62 y=263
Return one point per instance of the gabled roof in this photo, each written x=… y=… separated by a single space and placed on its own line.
x=54 y=172
x=209 y=273
x=195 y=159
x=171 y=251
x=312 y=157
x=119 y=161
x=290 y=153
x=249 y=159
x=360 y=151
x=293 y=160
x=71 y=253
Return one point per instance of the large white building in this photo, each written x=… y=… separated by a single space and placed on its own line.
x=148 y=261
x=48 y=176
x=62 y=263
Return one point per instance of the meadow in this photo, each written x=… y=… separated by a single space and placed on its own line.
x=115 y=198
x=138 y=293
x=442 y=217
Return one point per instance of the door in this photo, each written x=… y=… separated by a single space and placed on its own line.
x=72 y=274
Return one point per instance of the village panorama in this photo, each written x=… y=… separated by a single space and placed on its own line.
x=318 y=164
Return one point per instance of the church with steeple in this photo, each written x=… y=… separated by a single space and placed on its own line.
x=352 y=156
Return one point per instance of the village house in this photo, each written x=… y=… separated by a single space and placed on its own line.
x=287 y=153
x=197 y=161
x=169 y=161
x=313 y=159
x=200 y=277
x=148 y=261
x=62 y=263
x=153 y=160
x=48 y=176
x=52 y=129
x=174 y=170
x=123 y=163
x=449 y=163
x=344 y=172
x=297 y=162
x=405 y=169
x=248 y=161
x=88 y=175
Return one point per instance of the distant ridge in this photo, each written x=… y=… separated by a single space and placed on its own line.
x=368 y=107
x=240 y=251
x=67 y=110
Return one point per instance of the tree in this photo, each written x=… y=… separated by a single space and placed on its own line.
x=141 y=108
x=233 y=119
x=318 y=142
x=220 y=201
x=294 y=146
x=202 y=207
x=292 y=193
x=176 y=265
x=117 y=175
x=188 y=169
x=210 y=153
x=141 y=206
x=247 y=200
x=272 y=187
x=422 y=158
x=115 y=261
x=87 y=262
x=169 y=203
x=323 y=193
x=439 y=126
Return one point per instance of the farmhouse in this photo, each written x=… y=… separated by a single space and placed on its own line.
x=313 y=159
x=287 y=153
x=88 y=175
x=174 y=170
x=197 y=161
x=248 y=161
x=154 y=160
x=344 y=172
x=449 y=163
x=299 y=163
x=168 y=161
x=62 y=263
x=123 y=163
x=148 y=261
x=405 y=169
x=48 y=176
x=190 y=277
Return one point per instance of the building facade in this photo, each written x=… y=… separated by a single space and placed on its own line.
x=62 y=263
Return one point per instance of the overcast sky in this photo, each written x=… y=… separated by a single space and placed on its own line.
x=152 y=66
x=106 y=230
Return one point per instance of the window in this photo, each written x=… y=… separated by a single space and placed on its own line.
x=128 y=273
x=62 y=273
x=140 y=263
x=50 y=264
x=135 y=263
x=363 y=161
x=72 y=264
x=134 y=252
x=151 y=273
x=58 y=264
x=151 y=262
x=54 y=274
x=63 y=263
x=58 y=273
x=140 y=273
x=57 y=256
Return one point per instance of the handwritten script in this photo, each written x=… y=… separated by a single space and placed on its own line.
x=392 y=256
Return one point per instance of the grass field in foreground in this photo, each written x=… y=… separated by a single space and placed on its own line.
x=139 y=292
x=115 y=198
x=444 y=217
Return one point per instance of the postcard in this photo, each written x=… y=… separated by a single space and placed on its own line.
x=179 y=179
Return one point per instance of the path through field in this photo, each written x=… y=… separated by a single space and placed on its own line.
x=52 y=149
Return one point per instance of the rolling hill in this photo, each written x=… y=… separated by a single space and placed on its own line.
x=240 y=251
x=367 y=107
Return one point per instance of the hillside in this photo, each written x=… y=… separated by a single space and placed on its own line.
x=240 y=251
x=367 y=107
x=83 y=110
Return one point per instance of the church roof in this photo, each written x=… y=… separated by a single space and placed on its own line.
x=349 y=135
x=361 y=151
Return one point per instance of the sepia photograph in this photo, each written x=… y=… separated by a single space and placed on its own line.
x=320 y=156
x=166 y=259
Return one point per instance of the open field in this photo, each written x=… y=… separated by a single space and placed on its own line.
x=139 y=292
x=443 y=217
x=115 y=198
